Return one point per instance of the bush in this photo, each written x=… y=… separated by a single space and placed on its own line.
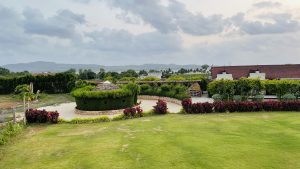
x=41 y=116
x=57 y=83
x=231 y=106
x=133 y=112
x=9 y=131
x=217 y=97
x=220 y=107
x=187 y=105
x=258 y=98
x=237 y=98
x=161 y=107
x=88 y=120
x=208 y=107
x=290 y=106
x=197 y=108
x=53 y=117
x=289 y=97
x=166 y=90
x=272 y=106
x=246 y=106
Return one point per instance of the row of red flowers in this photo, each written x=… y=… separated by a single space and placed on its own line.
x=231 y=106
x=41 y=116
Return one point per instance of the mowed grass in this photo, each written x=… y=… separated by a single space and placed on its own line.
x=216 y=141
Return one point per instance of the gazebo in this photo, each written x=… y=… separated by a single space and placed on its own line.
x=195 y=90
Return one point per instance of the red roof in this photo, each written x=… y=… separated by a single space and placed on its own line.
x=272 y=71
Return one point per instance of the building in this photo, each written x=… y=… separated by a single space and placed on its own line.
x=290 y=71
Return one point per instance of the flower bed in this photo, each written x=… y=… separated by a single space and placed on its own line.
x=246 y=106
x=41 y=116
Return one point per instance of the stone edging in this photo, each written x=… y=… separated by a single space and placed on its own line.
x=105 y=112
x=167 y=99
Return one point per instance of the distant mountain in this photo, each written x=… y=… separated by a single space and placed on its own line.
x=37 y=67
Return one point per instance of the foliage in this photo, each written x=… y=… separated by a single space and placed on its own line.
x=282 y=87
x=86 y=120
x=150 y=78
x=41 y=116
x=228 y=88
x=289 y=97
x=258 y=98
x=10 y=130
x=87 y=74
x=237 y=98
x=160 y=107
x=24 y=88
x=217 y=97
x=128 y=79
x=133 y=112
x=57 y=83
x=143 y=73
x=87 y=98
x=166 y=90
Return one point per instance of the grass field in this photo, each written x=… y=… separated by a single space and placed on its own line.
x=216 y=141
x=8 y=101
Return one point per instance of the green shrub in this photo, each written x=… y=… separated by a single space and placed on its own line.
x=57 y=83
x=88 y=120
x=92 y=100
x=258 y=98
x=166 y=90
x=237 y=98
x=150 y=78
x=289 y=97
x=217 y=97
x=9 y=131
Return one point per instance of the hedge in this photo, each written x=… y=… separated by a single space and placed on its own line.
x=166 y=90
x=252 y=87
x=92 y=100
x=57 y=83
x=245 y=106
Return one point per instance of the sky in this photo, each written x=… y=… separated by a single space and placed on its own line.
x=123 y=32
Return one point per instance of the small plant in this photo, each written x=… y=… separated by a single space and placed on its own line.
x=237 y=98
x=41 y=116
x=258 y=98
x=288 y=97
x=187 y=105
x=217 y=97
x=9 y=131
x=133 y=112
x=161 y=107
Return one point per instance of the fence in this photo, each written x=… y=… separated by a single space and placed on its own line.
x=15 y=114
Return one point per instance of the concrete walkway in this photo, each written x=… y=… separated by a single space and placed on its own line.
x=67 y=110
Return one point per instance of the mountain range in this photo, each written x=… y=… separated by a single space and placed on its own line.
x=40 y=66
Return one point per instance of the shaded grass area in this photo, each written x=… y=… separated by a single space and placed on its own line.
x=8 y=101
x=231 y=141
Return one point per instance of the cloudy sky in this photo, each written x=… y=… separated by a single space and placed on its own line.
x=118 y=32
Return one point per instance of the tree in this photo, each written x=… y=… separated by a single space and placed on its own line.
x=143 y=73
x=129 y=73
x=4 y=71
x=87 y=74
x=72 y=71
x=101 y=74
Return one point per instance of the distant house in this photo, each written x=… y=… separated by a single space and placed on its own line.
x=290 y=71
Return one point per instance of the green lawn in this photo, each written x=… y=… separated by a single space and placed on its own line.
x=231 y=141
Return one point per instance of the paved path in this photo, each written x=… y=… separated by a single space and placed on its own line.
x=67 y=110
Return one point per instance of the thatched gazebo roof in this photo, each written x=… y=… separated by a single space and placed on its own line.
x=195 y=87
x=106 y=86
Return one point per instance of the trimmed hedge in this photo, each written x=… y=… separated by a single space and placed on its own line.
x=245 y=106
x=58 y=83
x=253 y=87
x=92 y=100
x=179 y=92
